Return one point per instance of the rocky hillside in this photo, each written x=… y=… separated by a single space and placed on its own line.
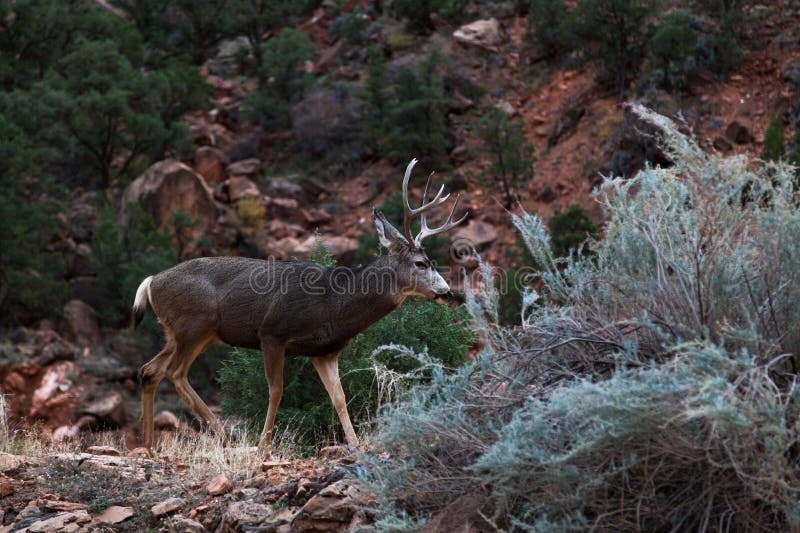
x=282 y=134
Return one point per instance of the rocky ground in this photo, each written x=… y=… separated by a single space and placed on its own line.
x=103 y=490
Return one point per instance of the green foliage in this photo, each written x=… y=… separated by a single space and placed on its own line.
x=123 y=259
x=672 y=48
x=511 y=153
x=409 y=116
x=281 y=77
x=375 y=97
x=31 y=278
x=415 y=123
x=90 y=104
x=614 y=33
x=35 y=34
x=774 y=141
x=658 y=395
x=306 y=408
x=320 y=253
x=106 y=109
x=570 y=229
x=351 y=27
x=547 y=35
x=418 y=13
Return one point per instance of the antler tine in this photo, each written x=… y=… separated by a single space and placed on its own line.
x=410 y=212
x=425 y=231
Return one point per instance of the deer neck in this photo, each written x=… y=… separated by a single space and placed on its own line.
x=373 y=294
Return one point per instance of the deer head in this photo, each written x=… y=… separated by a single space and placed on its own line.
x=416 y=273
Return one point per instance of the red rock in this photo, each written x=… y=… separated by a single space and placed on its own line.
x=14 y=382
x=166 y=420
x=50 y=392
x=210 y=162
x=166 y=187
x=109 y=409
x=64 y=433
x=219 y=485
x=140 y=452
x=8 y=486
x=82 y=322
x=104 y=450
x=245 y=167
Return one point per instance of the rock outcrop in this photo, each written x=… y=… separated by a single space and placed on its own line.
x=167 y=187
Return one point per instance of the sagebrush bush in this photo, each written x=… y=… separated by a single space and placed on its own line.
x=651 y=385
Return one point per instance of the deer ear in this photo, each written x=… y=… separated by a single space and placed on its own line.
x=390 y=238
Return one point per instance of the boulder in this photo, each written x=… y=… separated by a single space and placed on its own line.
x=114 y=515
x=181 y=524
x=104 y=450
x=210 y=162
x=166 y=187
x=60 y=522
x=109 y=410
x=506 y=108
x=54 y=391
x=245 y=167
x=238 y=187
x=334 y=508
x=481 y=33
x=342 y=248
x=476 y=234
x=166 y=420
x=219 y=485
x=82 y=323
x=167 y=506
x=81 y=218
x=65 y=433
x=8 y=485
x=281 y=187
x=251 y=516
x=790 y=72
x=739 y=133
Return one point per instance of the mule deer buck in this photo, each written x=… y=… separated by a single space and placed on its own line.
x=284 y=308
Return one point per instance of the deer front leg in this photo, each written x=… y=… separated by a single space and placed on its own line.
x=328 y=370
x=273 y=369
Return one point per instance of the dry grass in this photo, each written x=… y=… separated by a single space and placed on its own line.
x=207 y=453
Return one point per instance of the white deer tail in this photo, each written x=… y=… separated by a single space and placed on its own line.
x=140 y=303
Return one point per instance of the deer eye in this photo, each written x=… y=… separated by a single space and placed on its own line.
x=421 y=264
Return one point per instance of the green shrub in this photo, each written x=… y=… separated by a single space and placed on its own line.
x=418 y=13
x=351 y=27
x=547 y=35
x=374 y=96
x=659 y=394
x=570 y=229
x=510 y=152
x=123 y=259
x=672 y=48
x=614 y=33
x=774 y=141
x=281 y=78
x=416 y=121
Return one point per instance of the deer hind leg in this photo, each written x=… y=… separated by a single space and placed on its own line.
x=178 y=373
x=150 y=375
x=328 y=370
x=273 y=370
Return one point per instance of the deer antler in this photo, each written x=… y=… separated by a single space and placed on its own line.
x=410 y=212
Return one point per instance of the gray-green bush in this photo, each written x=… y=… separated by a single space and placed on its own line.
x=651 y=385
